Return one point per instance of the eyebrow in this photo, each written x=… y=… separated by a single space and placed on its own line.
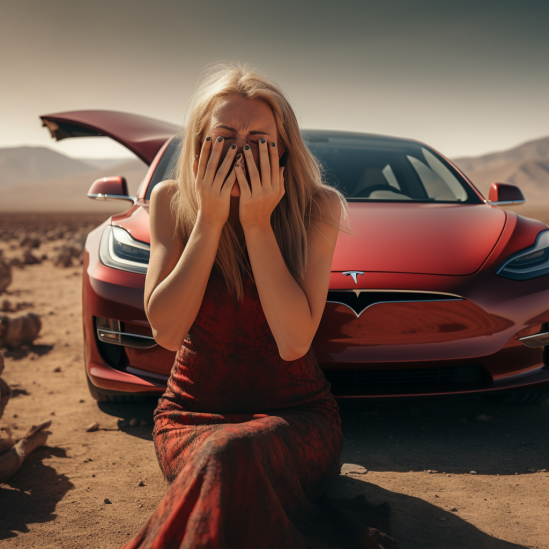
x=233 y=130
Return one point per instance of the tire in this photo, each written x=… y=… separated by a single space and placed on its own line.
x=530 y=397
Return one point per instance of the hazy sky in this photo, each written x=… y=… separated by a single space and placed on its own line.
x=466 y=77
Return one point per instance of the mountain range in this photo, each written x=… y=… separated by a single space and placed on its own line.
x=526 y=166
x=40 y=179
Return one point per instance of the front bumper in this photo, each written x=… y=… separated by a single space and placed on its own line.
x=481 y=331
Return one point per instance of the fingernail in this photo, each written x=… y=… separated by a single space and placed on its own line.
x=262 y=140
x=233 y=146
x=246 y=147
x=239 y=156
x=237 y=165
x=220 y=139
x=273 y=144
x=208 y=138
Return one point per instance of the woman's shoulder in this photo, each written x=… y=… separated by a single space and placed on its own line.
x=327 y=204
x=164 y=189
x=160 y=209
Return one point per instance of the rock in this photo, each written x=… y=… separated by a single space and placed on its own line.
x=19 y=330
x=92 y=427
x=30 y=241
x=63 y=258
x=133 y=422
x=108 y=501
x=483 y=417
x=29 y=258
x=141 y=483
x=472 y=472
x=57 y=369
x=454 y=510
x=352 y=469
x=5 y=275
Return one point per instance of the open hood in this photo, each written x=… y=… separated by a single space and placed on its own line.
x=440 y=239
x=140 y=134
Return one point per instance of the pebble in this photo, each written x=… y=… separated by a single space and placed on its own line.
x=454 y=510
x=141 y=483
x=472 y=472
x=92 y=427
x=56 y=370
x=107 y=500
x=352 y=469
x=133 y=422
x=483 y=417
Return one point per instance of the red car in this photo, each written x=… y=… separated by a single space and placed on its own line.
x=438 y=292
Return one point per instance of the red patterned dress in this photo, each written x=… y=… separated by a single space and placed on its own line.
x=246 y=440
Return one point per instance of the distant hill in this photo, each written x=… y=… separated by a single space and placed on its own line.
x=39 y=179
x=27 y=164
x=526 y=166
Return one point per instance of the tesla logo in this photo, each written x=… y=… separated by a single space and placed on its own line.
x=353 y=274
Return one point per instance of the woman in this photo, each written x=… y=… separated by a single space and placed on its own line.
x=247 y=433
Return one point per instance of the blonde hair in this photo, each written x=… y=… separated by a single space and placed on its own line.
x=306 y=195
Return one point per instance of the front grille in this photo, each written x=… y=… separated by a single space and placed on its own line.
x=360 y=300
x=428 y=380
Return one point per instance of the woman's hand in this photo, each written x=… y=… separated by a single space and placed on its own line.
x=214 y=196
x=259 y=198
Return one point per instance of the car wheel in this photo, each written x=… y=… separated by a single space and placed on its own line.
x=531 y=397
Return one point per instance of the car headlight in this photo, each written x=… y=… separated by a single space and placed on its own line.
x=119 y=250
x=528 y=263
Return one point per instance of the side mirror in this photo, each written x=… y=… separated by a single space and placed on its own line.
x=503 y=193
x=110 y=188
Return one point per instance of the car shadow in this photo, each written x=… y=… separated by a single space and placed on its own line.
x=32 y=494
x=135 y=419
x=415 y=523
x=450 y=435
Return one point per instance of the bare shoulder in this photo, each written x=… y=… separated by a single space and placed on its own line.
x=161 y=217
x=326 y=213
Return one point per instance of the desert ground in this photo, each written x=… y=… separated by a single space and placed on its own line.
x=457 y=473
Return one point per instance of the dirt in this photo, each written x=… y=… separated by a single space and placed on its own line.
x=458 y=473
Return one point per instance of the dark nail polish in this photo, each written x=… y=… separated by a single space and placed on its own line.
x=220 y=139
x=273 y=144
x=239 y=156
x=246 y=147
x=233 y=146
x=262 y=140
x=208 y=138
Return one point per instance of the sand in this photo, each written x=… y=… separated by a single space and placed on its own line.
x=453 y=480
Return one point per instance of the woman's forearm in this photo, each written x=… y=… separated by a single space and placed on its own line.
x=174 y=303
x=284 y=302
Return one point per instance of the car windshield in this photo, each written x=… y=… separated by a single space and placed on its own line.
x=368 y=168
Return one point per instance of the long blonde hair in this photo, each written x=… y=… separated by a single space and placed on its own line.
x=306 y=195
